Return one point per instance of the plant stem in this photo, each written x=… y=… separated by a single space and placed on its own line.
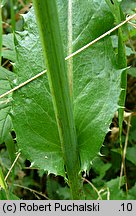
x=122 y=64
x=70 y=48
x=47 y=18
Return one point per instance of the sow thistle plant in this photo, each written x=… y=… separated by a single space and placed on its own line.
x=61 y=115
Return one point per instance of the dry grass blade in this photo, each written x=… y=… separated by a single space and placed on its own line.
x=12 y=166
x=123 y=167
x=94 y=188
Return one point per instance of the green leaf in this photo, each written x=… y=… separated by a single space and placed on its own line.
x=96 y=87
x=131 y=154
x=5 y=103
x=90 y=193
x=128 y=6
x=35 y=116
x=55 y=191
x=100 y=168
x=132 y=193
x=96 y=91
x=132 y=135
x=8 y=51
x=132 y=71
x=115 y=192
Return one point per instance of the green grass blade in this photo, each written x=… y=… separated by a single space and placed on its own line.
x=12 y=15
x=47 y=18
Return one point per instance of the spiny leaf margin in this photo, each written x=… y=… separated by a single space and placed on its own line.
x=95 y=95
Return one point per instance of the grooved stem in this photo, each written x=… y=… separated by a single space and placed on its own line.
x=47 y=19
